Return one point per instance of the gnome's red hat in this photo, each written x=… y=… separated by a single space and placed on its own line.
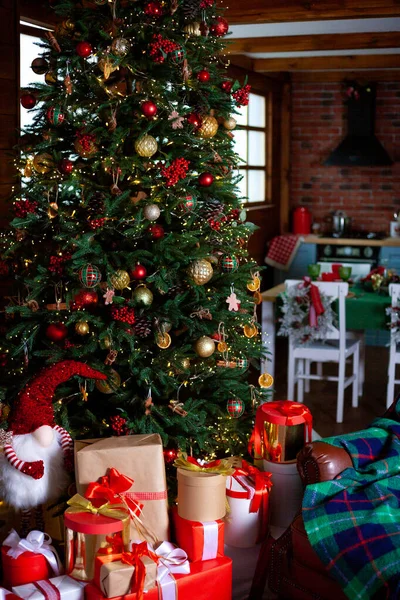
x=34 y=405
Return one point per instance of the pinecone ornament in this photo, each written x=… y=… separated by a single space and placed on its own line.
x=95 y=206
x=177 y=289
x=142 y=327
x=212 y=208
x=191 y=8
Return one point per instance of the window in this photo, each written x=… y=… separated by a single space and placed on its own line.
x=253 y=144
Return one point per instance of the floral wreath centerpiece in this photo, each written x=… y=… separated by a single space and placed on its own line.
x=307 y=314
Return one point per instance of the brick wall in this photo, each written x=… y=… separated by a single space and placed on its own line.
x=368 y=195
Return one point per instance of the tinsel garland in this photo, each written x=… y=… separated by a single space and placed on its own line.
x=295 y=321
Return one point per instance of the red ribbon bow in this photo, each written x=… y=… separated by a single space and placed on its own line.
x=113 y=487
x=115 y=545
x=316 y=306
x=134 y=559
x=281 y=412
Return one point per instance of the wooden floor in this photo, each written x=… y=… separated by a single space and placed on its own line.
x=322 y=398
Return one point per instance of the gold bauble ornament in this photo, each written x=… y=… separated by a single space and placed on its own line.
x=200 y=271
x=120 y=279
x=43 y=163
x=111 y=384
x=146 y=146
x=120 y=47
x=204 y=346
x=250 y=331
x=163 y=340
x=182 y=364
x=192 y=29
x=52 y=210
x=230 y=123
x=82 y=327
x=209 y=127
x=50 y=78
x=142 y=295
x=106 y=342
x=265 y=380
x=107 y=66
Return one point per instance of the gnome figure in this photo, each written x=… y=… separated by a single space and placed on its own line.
x=38 y=454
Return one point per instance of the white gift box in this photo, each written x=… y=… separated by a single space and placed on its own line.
x=68 y=589
x=242 y=527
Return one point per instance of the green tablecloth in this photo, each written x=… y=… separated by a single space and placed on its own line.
x=367 y=310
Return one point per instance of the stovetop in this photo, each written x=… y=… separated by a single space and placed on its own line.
x=358 y=235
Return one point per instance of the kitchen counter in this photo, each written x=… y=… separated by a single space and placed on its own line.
x=315 y=239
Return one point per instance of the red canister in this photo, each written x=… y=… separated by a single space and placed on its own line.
x=301 y=220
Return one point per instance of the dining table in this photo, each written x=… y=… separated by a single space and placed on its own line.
x=365 y=310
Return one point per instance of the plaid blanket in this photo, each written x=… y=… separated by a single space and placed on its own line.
x=353 y=522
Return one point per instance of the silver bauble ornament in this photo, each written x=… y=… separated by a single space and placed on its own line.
x=120 y=47
x=142 y=295
x=230 y=123
x=200 y=271
x=151 y=212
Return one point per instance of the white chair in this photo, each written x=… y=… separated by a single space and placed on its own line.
x=394 y=350
x=335 y=348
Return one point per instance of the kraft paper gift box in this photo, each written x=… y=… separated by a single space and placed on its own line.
x=201 y=496
x=208 y=580
x=65 y=586
x=139 y=457
x=116 y=578
x=201 y=541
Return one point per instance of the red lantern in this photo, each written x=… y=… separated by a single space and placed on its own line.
x=205 y=179
x=219 y=27
x=226 y=86
x=139 y=272
x=195 y=120
x=56 y=332
x=65 y=166
x=84 y=49
x=149 y=109
x=203 y=76
x=157 y=232
x=28 y=100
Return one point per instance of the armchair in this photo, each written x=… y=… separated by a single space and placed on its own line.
x=295 y=571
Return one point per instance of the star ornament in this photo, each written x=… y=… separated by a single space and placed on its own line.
x=233 y=302
x=108 y=296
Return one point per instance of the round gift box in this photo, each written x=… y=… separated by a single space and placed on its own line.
x=242 y=527
x=285 y=429
x=201 y=496
x=286 y=494
x=26 y=568
x=83 y=522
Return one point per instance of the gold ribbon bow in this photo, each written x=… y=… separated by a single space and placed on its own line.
x=219 y=467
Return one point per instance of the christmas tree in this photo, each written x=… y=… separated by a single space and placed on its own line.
x=129 y=239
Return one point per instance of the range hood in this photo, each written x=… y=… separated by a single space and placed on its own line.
x=360 y=147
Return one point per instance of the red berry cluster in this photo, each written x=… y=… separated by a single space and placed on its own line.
x=216 y=225
x=68 y=344
x=177 y=170
x=241 y=96
x=123 y=313
x=118 y=425
x=24 y=206
x=86 y=140
x=160 y=47
x=56 y=263
x=97 y=223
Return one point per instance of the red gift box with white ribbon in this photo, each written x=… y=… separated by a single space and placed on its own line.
x=200 y=540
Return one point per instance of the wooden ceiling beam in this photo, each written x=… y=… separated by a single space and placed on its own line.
x=273 y=11
x=300 y=43
x=335 y=76
x=328 y=63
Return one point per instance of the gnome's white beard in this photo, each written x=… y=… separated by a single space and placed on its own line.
x=24 y=492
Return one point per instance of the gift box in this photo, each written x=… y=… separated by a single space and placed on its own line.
x=247 y=492
x=89 y=529
x=6 y=595
x=28 y=560
x=201 y=541
x=201 y=488
x=117 y=574
x=63 y=587
x=139 y=457
x=208 y=580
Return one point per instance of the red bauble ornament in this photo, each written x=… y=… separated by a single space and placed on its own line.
x=157 y=232
x=195 y=120
x=170 y=455
x=153 y=9
x=84 y=49
x=226 y=86
x=86 y=298
x=65 y=166
x=149 y=109
x=56 y=332
x=203 y=76
x=139 y=272
x=28 y=100
x=205 y=179
x=219 y=27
